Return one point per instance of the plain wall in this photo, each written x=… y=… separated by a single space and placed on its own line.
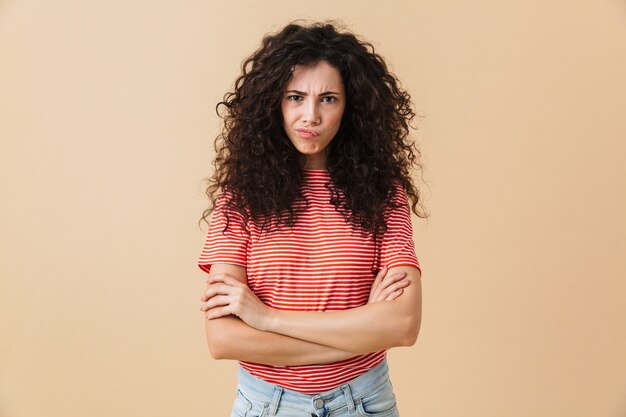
x=107 y=124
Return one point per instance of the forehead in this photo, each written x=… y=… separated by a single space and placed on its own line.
x=319 y=74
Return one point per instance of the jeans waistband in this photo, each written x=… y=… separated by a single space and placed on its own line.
x=278 y=396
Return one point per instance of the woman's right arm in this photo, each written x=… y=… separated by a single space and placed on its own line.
x=231 y=338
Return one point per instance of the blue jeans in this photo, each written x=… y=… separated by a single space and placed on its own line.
x=370 y=394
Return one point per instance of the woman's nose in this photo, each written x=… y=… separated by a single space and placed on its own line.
x=311 y=113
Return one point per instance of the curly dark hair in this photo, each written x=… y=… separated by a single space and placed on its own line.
x=258 y=163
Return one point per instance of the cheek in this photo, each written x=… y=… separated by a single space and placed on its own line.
x=288 y=115
x=337 y=118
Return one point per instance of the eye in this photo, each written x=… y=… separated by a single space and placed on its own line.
x=333 y=99
x=291 y=98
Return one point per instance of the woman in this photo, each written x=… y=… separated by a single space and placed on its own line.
x=312 y=271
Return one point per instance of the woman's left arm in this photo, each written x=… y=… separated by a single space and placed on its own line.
x=364 y=329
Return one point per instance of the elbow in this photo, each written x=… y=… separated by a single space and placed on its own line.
x=411 y=333
x=411 y=338
x=215 y=350
x=215 y=342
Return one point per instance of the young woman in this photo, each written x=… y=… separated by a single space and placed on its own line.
x=312 y=270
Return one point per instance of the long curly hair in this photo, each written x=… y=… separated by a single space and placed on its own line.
x=258 y=164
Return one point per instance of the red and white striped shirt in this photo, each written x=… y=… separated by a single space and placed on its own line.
x=323 y=264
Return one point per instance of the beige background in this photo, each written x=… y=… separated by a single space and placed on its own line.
x=107 y=122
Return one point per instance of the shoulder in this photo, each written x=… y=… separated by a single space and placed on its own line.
x=227 y=211
x=228 y=201
x=398 y=193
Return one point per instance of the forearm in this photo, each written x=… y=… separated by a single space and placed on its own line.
x=231 y=338
x=368 y=328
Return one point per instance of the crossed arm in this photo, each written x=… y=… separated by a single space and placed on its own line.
x=364 y=329
x=239 y=326
x=231 y=338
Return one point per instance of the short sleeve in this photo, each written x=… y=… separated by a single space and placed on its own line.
x=230 y=246
x=397 y=247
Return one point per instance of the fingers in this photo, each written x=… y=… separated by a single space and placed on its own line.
x=217 y=312
x=388 y=280
x=380 y=275
x=394 y=295
x=393 y=288
x=219 y=284
x=219 y=293
x=214 y=289
x=218 y=300
x=376 y=283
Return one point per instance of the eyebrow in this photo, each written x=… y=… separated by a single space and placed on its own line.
x=302 y=93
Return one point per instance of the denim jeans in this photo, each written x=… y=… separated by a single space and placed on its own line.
x=370 y=395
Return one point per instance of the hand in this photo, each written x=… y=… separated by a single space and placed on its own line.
x=226 y=295
x=387 y=287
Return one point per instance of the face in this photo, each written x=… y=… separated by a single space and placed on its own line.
x=312 y=105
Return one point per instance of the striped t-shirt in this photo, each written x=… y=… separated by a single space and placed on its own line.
x=323 y=264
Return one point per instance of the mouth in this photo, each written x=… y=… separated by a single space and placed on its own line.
x=307 y=133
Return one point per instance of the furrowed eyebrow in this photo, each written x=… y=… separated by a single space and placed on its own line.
x=302 y=93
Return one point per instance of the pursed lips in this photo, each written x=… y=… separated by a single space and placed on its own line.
x=307 y=133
